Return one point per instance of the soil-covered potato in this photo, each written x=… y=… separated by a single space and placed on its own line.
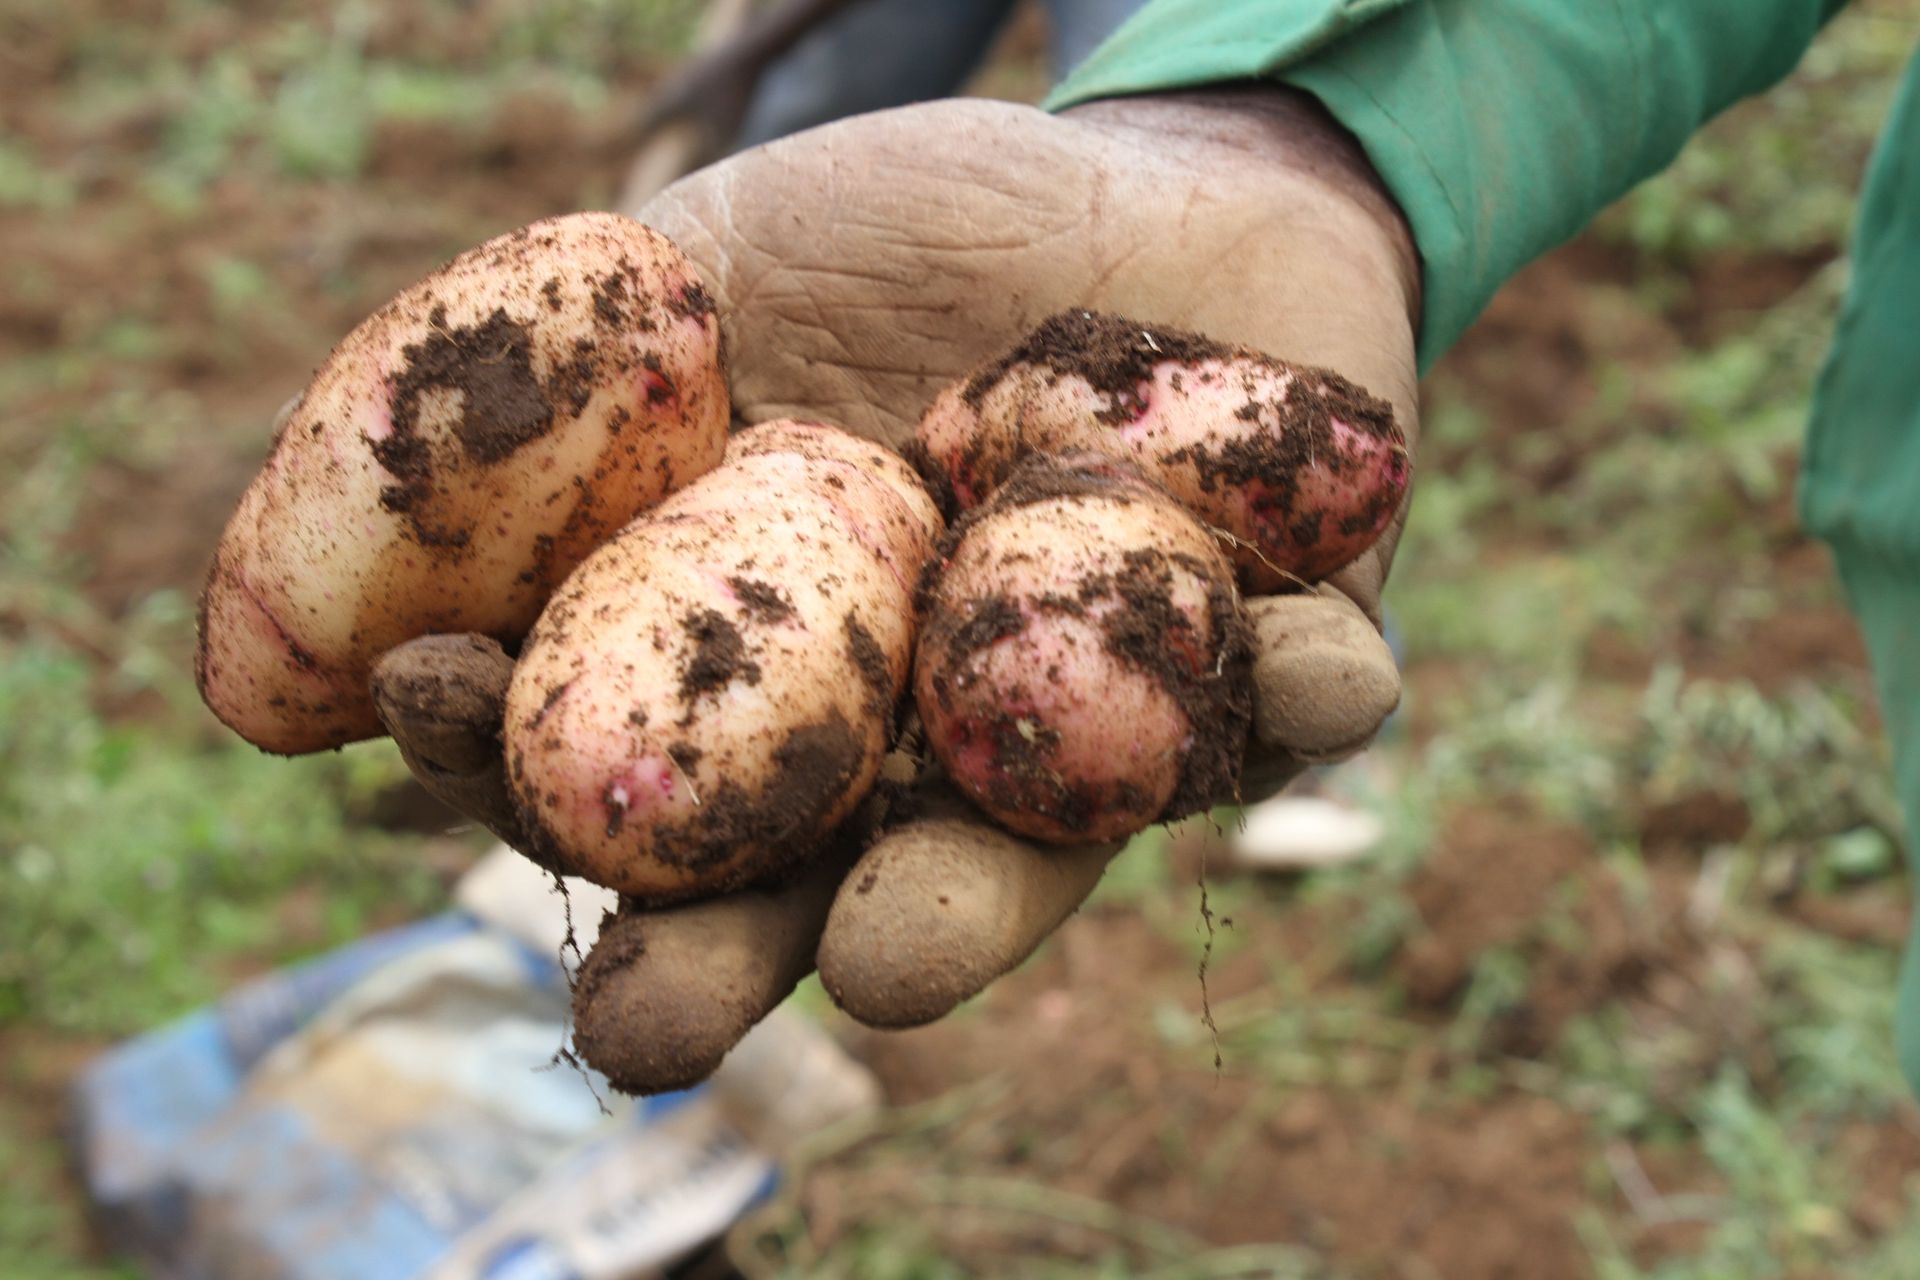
x=1303 y=468
x=452 y=461
x=1084 y=668
x=711 y=692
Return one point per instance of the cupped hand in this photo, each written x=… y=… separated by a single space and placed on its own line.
x=860 y=268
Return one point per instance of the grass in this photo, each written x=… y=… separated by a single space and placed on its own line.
x=141 y=860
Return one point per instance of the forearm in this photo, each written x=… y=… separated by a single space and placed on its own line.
x=1501 y=126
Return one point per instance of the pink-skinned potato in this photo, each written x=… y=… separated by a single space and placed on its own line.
x=1084 y=664
x=453 y=459
x=712 y=691
x=1302 y=468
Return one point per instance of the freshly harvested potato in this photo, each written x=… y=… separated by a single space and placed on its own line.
x=711 y=692
x=1301 y=467
x=452 y=461
x=1084 y=669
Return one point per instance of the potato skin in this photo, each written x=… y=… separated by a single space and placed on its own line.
x=455 y=457
x=1303 y=467
x=711 y=693
x=1083 y=671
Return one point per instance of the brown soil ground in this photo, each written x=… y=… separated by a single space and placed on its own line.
x=1405 y=1177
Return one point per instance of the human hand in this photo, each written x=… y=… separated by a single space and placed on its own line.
x=860 y=268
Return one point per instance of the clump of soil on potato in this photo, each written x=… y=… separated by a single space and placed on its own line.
x=1149 y=633
x=610 y=301
x=763 y=601
x=870 y=660
x=503 y=405
x=719 y=655
x=1112 y=354
x=989 y=620
x=813 y=768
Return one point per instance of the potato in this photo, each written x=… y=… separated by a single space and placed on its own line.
x=454 y=458
x=1085 y=665
x=711 y=692
x=1305 y=469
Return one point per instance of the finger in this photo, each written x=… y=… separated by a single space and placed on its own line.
x=1324 y=679
x=1362 y=581
x=940 y=907
x=664 y=995
x=442 y=697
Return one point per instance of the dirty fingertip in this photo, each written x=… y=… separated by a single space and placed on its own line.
x=665 y=995
x=442 y=696
x=1324 y=678
x=938 y=909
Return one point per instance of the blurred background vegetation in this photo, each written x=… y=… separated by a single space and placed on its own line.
x=1615 y=995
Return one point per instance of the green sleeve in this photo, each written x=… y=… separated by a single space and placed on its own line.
x=1501 y=126
x=1860 y=477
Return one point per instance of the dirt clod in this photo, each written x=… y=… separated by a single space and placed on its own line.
x=719 y=655
x=1113 y=354
x=490 y=366
x=870 y=660
x=813 y=767
x=763 y=601
x=1153 y=635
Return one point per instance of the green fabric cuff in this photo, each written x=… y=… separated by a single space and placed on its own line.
x=1501 y=126
x=1860 y=477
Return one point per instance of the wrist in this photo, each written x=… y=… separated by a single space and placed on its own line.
x=1283 y=130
